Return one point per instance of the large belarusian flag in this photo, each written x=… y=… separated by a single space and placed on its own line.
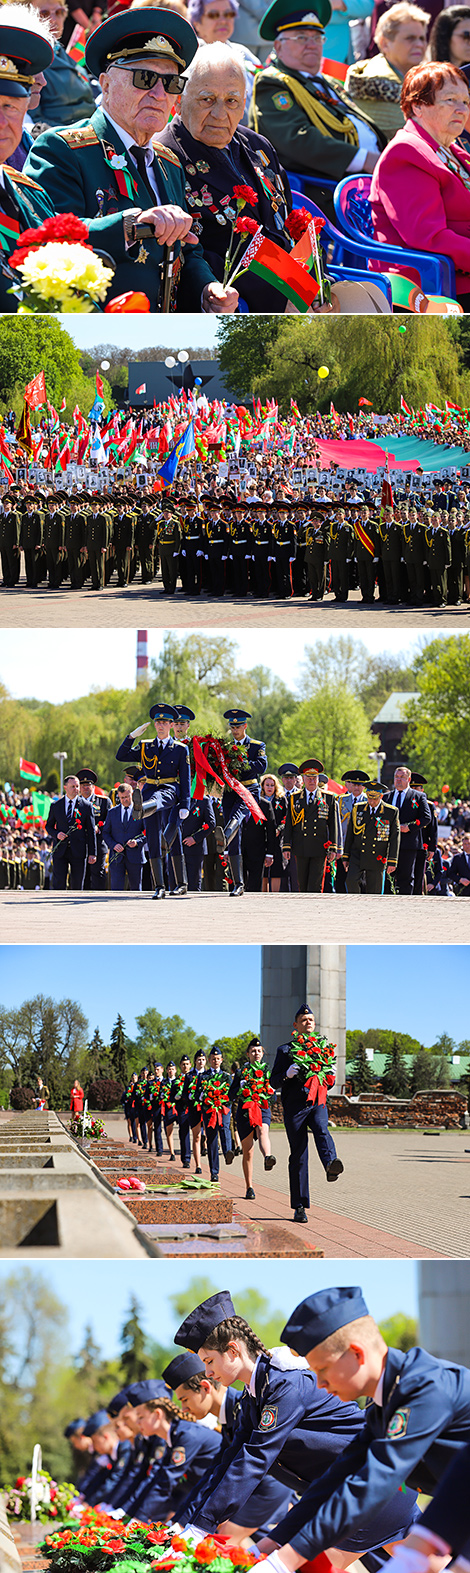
x=29 y=771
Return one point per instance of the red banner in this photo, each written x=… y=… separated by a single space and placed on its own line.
x=203 y=768
x=35 y=391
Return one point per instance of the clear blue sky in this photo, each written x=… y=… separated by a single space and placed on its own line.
x=99 y=1292
x=57 y=665
x=416 y=989
x=144 y=332
x=216 y=989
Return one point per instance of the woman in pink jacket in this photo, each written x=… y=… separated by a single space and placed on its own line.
x=420 y=191
x=76 y=1097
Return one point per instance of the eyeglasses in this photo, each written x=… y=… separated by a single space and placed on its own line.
x=145 y=79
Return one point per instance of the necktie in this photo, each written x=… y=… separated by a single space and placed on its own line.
x=138 y=153
x=69 y=808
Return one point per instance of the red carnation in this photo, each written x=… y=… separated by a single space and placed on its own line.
x=65 y=227
x=206 y=1552
x=245 y=194
x=297 y=222
x=245 y=226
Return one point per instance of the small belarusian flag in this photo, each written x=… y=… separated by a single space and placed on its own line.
x=76 y=45
x=29 y=771
x=35 y=391
x=142 y=388
x=281 y=270
x=362 y=402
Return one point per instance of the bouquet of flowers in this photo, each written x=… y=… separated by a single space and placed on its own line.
x=98 y=1543
x=215 y=1098
x=314 y=1058
x=256 y=1091
x=305 y=229
x=218 y=751
x=52 y=1500
x=93 y=1130
x=55 y=270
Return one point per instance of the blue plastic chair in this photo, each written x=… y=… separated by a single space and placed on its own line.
x=353 y=211
x=299 y=181
x=436 y=273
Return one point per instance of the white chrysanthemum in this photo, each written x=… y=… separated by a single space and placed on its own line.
x=55 y=271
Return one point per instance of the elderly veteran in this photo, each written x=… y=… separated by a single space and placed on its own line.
x=24 y=52
x=401 y=38
x=218 y=155
x=114 y=171
x=315 y=128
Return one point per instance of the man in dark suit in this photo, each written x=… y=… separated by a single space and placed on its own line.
x=414 y=815
x=429 y=839
x=201 y=820
x=125 y=838
x=72 y=828
x=459 y=871
x=300 y=1116
x=95 y=878
x=312 y=829
x=372 y=842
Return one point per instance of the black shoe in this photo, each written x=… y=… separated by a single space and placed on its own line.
x=180 y=890
x=229 y=1156
x=214 y=1178
x=159 y=893
x=334 y=1169
x=250 y=1195
x=238 y=890
x=269 y=1163
x=300 y=1215
x=172 y=1158
x=198 y=1171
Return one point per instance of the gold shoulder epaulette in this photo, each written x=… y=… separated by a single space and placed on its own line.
x=79 y=136
x=165 y=152
x=21 y=179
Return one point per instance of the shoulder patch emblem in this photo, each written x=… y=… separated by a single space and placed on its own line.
x=282 y=101
x=398 y=1425
x=268 y=1418
x=165 y=152
x=79 y=136
x=178 y=1455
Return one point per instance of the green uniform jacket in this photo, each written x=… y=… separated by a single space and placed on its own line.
x=32 y=207
x=71 y=165
x=298 y=143
x=310 y=831
x=371 y=838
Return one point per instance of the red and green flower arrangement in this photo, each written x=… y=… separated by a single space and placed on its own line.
x=215 y=1098
x=255 y=1090
x=99 y=1543
x=314 y=1058
x=93 y=1130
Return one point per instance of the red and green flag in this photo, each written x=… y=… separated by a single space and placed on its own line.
x=29 y=771
x=280 y=269
x=76 y=46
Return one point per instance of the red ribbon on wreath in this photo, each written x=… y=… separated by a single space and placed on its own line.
x=203 y=767
x=216 y=1101
x=255 y=1084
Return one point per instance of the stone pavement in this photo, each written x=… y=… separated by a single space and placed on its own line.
x=65 y=917
x=124 y=608
x=403 y=1193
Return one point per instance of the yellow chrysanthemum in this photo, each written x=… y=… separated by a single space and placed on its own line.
x=55 y=271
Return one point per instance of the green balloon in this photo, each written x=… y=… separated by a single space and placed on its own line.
x=402 y=330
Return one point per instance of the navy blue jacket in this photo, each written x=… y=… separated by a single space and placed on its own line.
x=174 y=767
x=424 y=1419
x=459 y=868
x=414 y=811
x=113 y=1476
x=448 y=1515
x=134 y=1474
x=173 y=1468
x=200 y=814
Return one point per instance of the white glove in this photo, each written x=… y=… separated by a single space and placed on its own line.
x=138 y=730
x=275 y=1562
x=184 y=813
x=408 y=1561
x=197 y=1534
x=292 y=1071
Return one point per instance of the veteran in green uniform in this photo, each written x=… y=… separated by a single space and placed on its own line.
x=113 y=172
x=314 y=127
x=312 y=830
x=372 y=842
x=25 y=51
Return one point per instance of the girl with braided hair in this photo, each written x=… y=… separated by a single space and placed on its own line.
x=180 y=1453
x=287 y=1426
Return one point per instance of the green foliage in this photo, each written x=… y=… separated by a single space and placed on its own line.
x=380 y=1039
x=249 y=1303
x=28 y=345
x=234 y=1048
x=163 y=1038
x=333 y=726
x=400 y=1331
x=437 y=734
x=118 y=1050
x=135 y=1359
x=395 y=1081
x=364 y=1079
x=44 y=1037
x=239 y=353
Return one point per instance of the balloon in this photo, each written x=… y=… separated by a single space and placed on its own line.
x=402 y=330
x=323 y=371
x=446 y=788
x=198 y=382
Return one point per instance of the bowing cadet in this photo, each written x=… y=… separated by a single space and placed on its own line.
x=444 y=1528
x=179 y=1455
x=301 y=1114
x=164 y=784
x=287 y=1426
x=211 y=1402
x=95 y=878
x=372 y=842
x=253 y=763
x=417 y=1418
x=100 y=1433
x=125 y=1404
x=312 y=829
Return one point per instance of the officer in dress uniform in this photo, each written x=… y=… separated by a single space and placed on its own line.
x=263 y=551
x=312 y=829
x=164 y=784
x=283 y=535
x=95 y=877
x=417 y=1418
x=372 y=842
x=10 y=525
x=287 y=1426
x=354 y=781
x=169 y=543
x=192 y=547
x=31 y=536
x=300 y=1116
x=114 y=172
x=316 y=554
x=254 y=764
x=216 y=545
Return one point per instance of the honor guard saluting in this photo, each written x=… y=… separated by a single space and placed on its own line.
x=354 y=781
x=95 y=876
x=417 y=1419
x=113 y=172
x=169 y=542
x=164 y=782
x=312 y=830
x=254 y=764
x=372 y=842
x=173 y=832
x=286 y=1427
x=301 y=1114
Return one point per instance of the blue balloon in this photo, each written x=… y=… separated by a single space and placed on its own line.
x=198 y=382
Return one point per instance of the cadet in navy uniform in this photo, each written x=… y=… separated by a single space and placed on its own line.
x=287 y=1425
x=300 y=1116
x=223 y=1129
x=416 y=1419
x=81 y=1448
x=93 y=1488
x=95 y=877
x=71 y=825
x=125 y=838
x=234 y=810
x=179 y=1454
x=201 y=1397
x=118 y=1451
x=445 y=1525
x=164 y=783
x=372 y=842
x=415 y=815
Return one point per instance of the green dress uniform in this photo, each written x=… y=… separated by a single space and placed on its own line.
x=372 y=841
x=307 y=121
x=75 y=536
x=77 y=168
x=414 y=544
x=145 y=541
x=169 y=543
x=366 y=537
x=31 y=543
x=32 y=874
x=439 y=559
x=312 y=829
x=97 y=543
x=123 y=536
x=53 y=542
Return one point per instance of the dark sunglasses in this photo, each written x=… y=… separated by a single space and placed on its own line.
x=145 y=79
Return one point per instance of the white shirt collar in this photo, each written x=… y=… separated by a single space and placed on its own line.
x=128 y=140
x=252 y=1381
x=223 y=1411
x=379 y=1391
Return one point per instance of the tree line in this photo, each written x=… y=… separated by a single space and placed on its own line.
x=429 y=1068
